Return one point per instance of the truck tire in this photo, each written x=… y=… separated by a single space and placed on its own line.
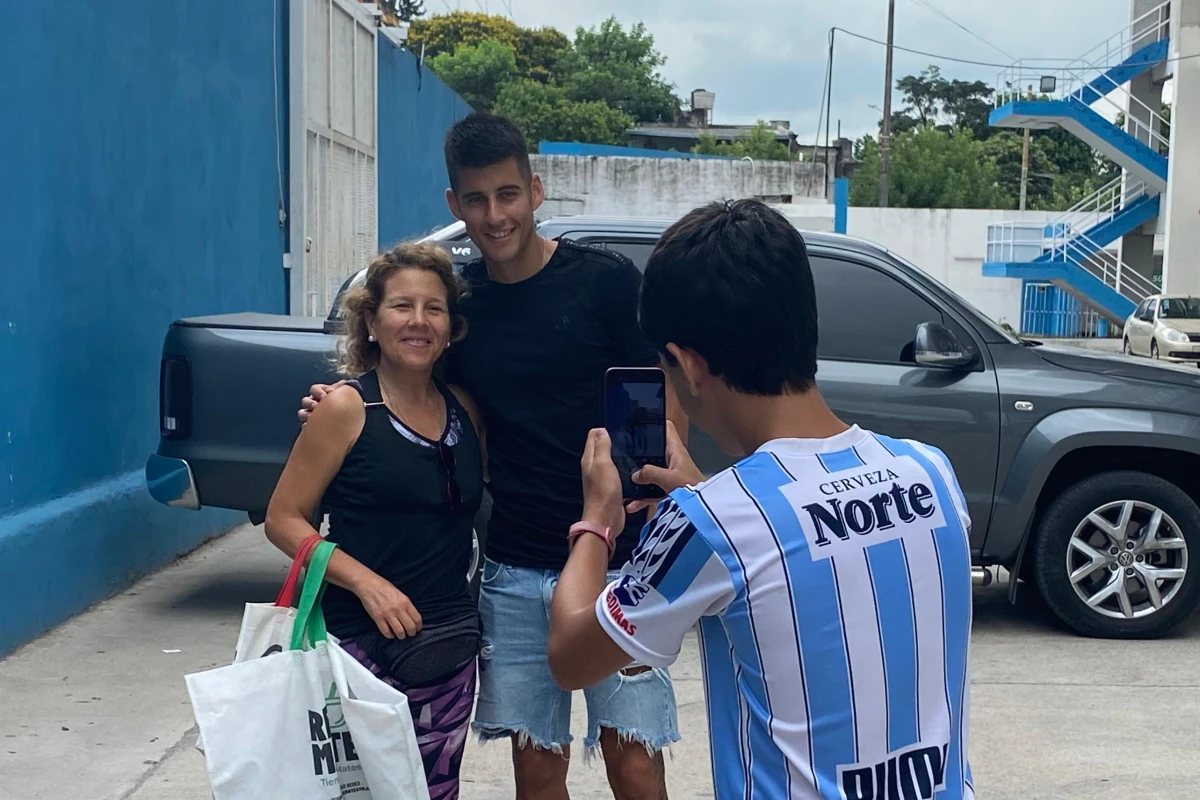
x=479 y=543
x=1112 y=556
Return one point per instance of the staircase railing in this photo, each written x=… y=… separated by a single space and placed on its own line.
x=1101 y=205
x=1145 y=124
x=1148 y=28
x=1022 y=242
x=1023 y=80
x=1108 y=267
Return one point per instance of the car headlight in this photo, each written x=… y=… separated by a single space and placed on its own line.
x=1172 y=335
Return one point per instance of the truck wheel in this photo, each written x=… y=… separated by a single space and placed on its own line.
x=478 y=544
x=1112 y=556
x=475 y=570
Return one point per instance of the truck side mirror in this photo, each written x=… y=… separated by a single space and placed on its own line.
x=938 y=346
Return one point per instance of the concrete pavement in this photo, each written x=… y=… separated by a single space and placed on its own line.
x=96 y=710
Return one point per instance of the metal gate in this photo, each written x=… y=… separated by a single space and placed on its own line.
x=1050 y=311
x=333 y=105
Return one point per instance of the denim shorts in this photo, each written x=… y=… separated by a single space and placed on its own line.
x=517 y=693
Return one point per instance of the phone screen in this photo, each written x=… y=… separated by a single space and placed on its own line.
x=635 y=414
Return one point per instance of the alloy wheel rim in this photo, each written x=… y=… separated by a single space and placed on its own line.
x=1127 y=559
x=474 y=564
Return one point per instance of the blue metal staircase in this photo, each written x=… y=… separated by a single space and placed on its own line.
x=1085 y=97
x=1142 y=61
x=1134 y=156
x=1079 y=265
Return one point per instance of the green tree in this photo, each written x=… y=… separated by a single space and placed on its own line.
x=1004 y=149
x=620 y=68
x=1062 y=168
x=930 y=168
x=760 y=144
x=967 y=104
x=931 y=99
x=592 y=89
x=537 y=50
x=408 y=10
x=400 y=10
x=545 y=112
x=477 y=72
x=922 y=94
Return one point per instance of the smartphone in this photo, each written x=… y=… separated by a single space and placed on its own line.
x=635 y=414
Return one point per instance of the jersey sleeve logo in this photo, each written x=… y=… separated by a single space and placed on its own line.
x=860 y=507
x=670 y=531
x=630 y=591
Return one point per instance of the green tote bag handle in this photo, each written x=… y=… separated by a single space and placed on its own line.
x=310 y=620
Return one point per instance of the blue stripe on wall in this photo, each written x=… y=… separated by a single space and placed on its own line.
x=415 y=110
x=60 y=557
x=141 y=185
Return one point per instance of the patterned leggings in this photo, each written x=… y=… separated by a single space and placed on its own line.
x=441 y=715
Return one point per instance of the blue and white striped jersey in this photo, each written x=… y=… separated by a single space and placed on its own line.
x=831 y=580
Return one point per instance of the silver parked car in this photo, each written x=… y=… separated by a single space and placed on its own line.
x=1166 y=327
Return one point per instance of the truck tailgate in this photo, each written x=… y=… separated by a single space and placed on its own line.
x=229 y=391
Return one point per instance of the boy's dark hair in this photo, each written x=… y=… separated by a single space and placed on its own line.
x=732 y=282
x=481 y=140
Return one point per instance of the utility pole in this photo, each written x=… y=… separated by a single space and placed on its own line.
x=828 y=109
x=1025 y=161
x=1024 y=167
x=885 y=139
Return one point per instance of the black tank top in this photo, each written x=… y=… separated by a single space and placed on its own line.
x=389 y=507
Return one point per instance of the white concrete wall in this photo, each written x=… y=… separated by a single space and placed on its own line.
x=1181 y=257
x=949 y=245
x=665 y=187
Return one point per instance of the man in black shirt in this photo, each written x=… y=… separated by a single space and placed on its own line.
x=546 y=318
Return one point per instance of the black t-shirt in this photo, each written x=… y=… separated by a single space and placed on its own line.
x=534 y=360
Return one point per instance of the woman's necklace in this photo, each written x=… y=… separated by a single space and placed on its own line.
x=395 y=408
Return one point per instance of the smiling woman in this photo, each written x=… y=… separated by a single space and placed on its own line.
x=397 y=461
x=412 y=280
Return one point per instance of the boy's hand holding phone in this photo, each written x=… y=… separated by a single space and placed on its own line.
x=601 y=483
x=680 y=471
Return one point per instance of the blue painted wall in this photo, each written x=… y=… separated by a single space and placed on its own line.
x=581 y=149
x=139 y=159
x=415 y=111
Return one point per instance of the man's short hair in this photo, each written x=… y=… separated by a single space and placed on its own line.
x=481 y=140
x=732 y=282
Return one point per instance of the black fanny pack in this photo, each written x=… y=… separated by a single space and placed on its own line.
x=433 y=655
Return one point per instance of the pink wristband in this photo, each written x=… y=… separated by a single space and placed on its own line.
x=580 y=528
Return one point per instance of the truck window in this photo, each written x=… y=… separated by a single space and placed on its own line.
x=866 y=314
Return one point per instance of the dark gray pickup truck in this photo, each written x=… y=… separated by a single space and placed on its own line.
x=1081 y=470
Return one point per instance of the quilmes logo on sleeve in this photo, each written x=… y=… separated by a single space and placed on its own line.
x=861 y=507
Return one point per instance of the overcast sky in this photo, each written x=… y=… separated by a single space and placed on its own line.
x=766 y=58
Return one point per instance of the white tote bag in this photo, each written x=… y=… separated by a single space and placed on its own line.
x=309 y=724
x=267 y=627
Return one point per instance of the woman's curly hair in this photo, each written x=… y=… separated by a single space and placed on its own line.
x=356 y=354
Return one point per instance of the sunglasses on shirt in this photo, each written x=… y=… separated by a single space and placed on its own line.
x=451 y=492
